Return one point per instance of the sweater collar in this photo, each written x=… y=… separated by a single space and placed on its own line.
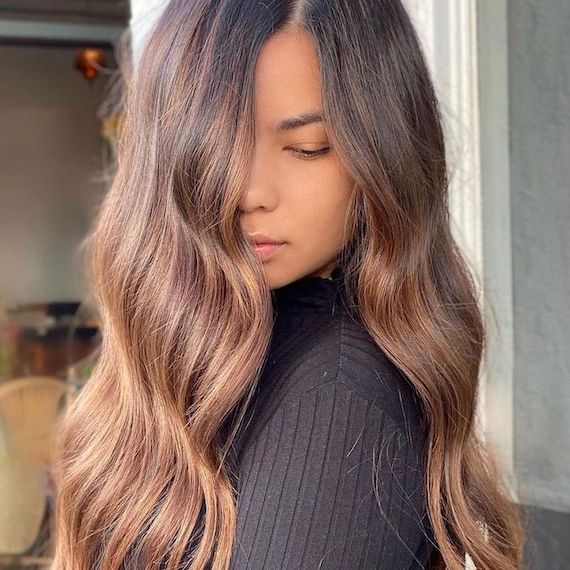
x=310 y=293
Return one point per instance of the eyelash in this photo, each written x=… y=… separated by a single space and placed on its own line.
x=309 y=154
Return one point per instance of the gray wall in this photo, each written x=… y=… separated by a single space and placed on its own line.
x=92 y=11
x=50 y=151
x=539 y=101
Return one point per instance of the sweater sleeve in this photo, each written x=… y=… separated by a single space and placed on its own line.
x=330 y=481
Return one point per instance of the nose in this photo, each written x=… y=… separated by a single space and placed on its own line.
x=261 y=190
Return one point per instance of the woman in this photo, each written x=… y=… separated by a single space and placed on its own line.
x=303 y=405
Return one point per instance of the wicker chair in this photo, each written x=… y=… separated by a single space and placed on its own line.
x=29 y=413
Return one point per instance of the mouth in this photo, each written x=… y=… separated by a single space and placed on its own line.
x=264 y=246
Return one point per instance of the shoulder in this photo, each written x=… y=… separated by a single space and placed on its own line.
x=343 y=356
x=366 y=368
x=337 y=364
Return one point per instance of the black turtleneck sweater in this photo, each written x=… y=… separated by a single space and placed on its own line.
x=330 y=459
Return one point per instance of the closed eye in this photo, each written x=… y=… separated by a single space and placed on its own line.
x=309 y=154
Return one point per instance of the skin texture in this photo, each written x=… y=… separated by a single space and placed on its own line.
x=301 y=201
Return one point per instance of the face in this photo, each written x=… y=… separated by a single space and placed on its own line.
x=298 y=190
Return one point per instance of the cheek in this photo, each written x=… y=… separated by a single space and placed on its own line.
x=321 y=213
x=317 y=202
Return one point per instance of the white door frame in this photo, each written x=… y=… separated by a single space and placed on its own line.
x=465 y=42
x=496 y=213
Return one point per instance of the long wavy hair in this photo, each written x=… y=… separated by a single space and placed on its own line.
x=187 y=315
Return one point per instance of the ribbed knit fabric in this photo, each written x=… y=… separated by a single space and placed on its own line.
x=330 y=459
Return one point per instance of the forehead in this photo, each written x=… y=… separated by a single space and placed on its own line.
x=287 y=78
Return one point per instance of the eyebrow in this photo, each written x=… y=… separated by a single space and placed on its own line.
x=297 y=121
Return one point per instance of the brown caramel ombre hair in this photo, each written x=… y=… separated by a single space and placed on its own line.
x=142 y=473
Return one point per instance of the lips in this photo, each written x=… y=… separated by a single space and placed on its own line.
x=261 y=239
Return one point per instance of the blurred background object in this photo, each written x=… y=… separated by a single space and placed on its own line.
x=29 y=411
x=59 y=122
